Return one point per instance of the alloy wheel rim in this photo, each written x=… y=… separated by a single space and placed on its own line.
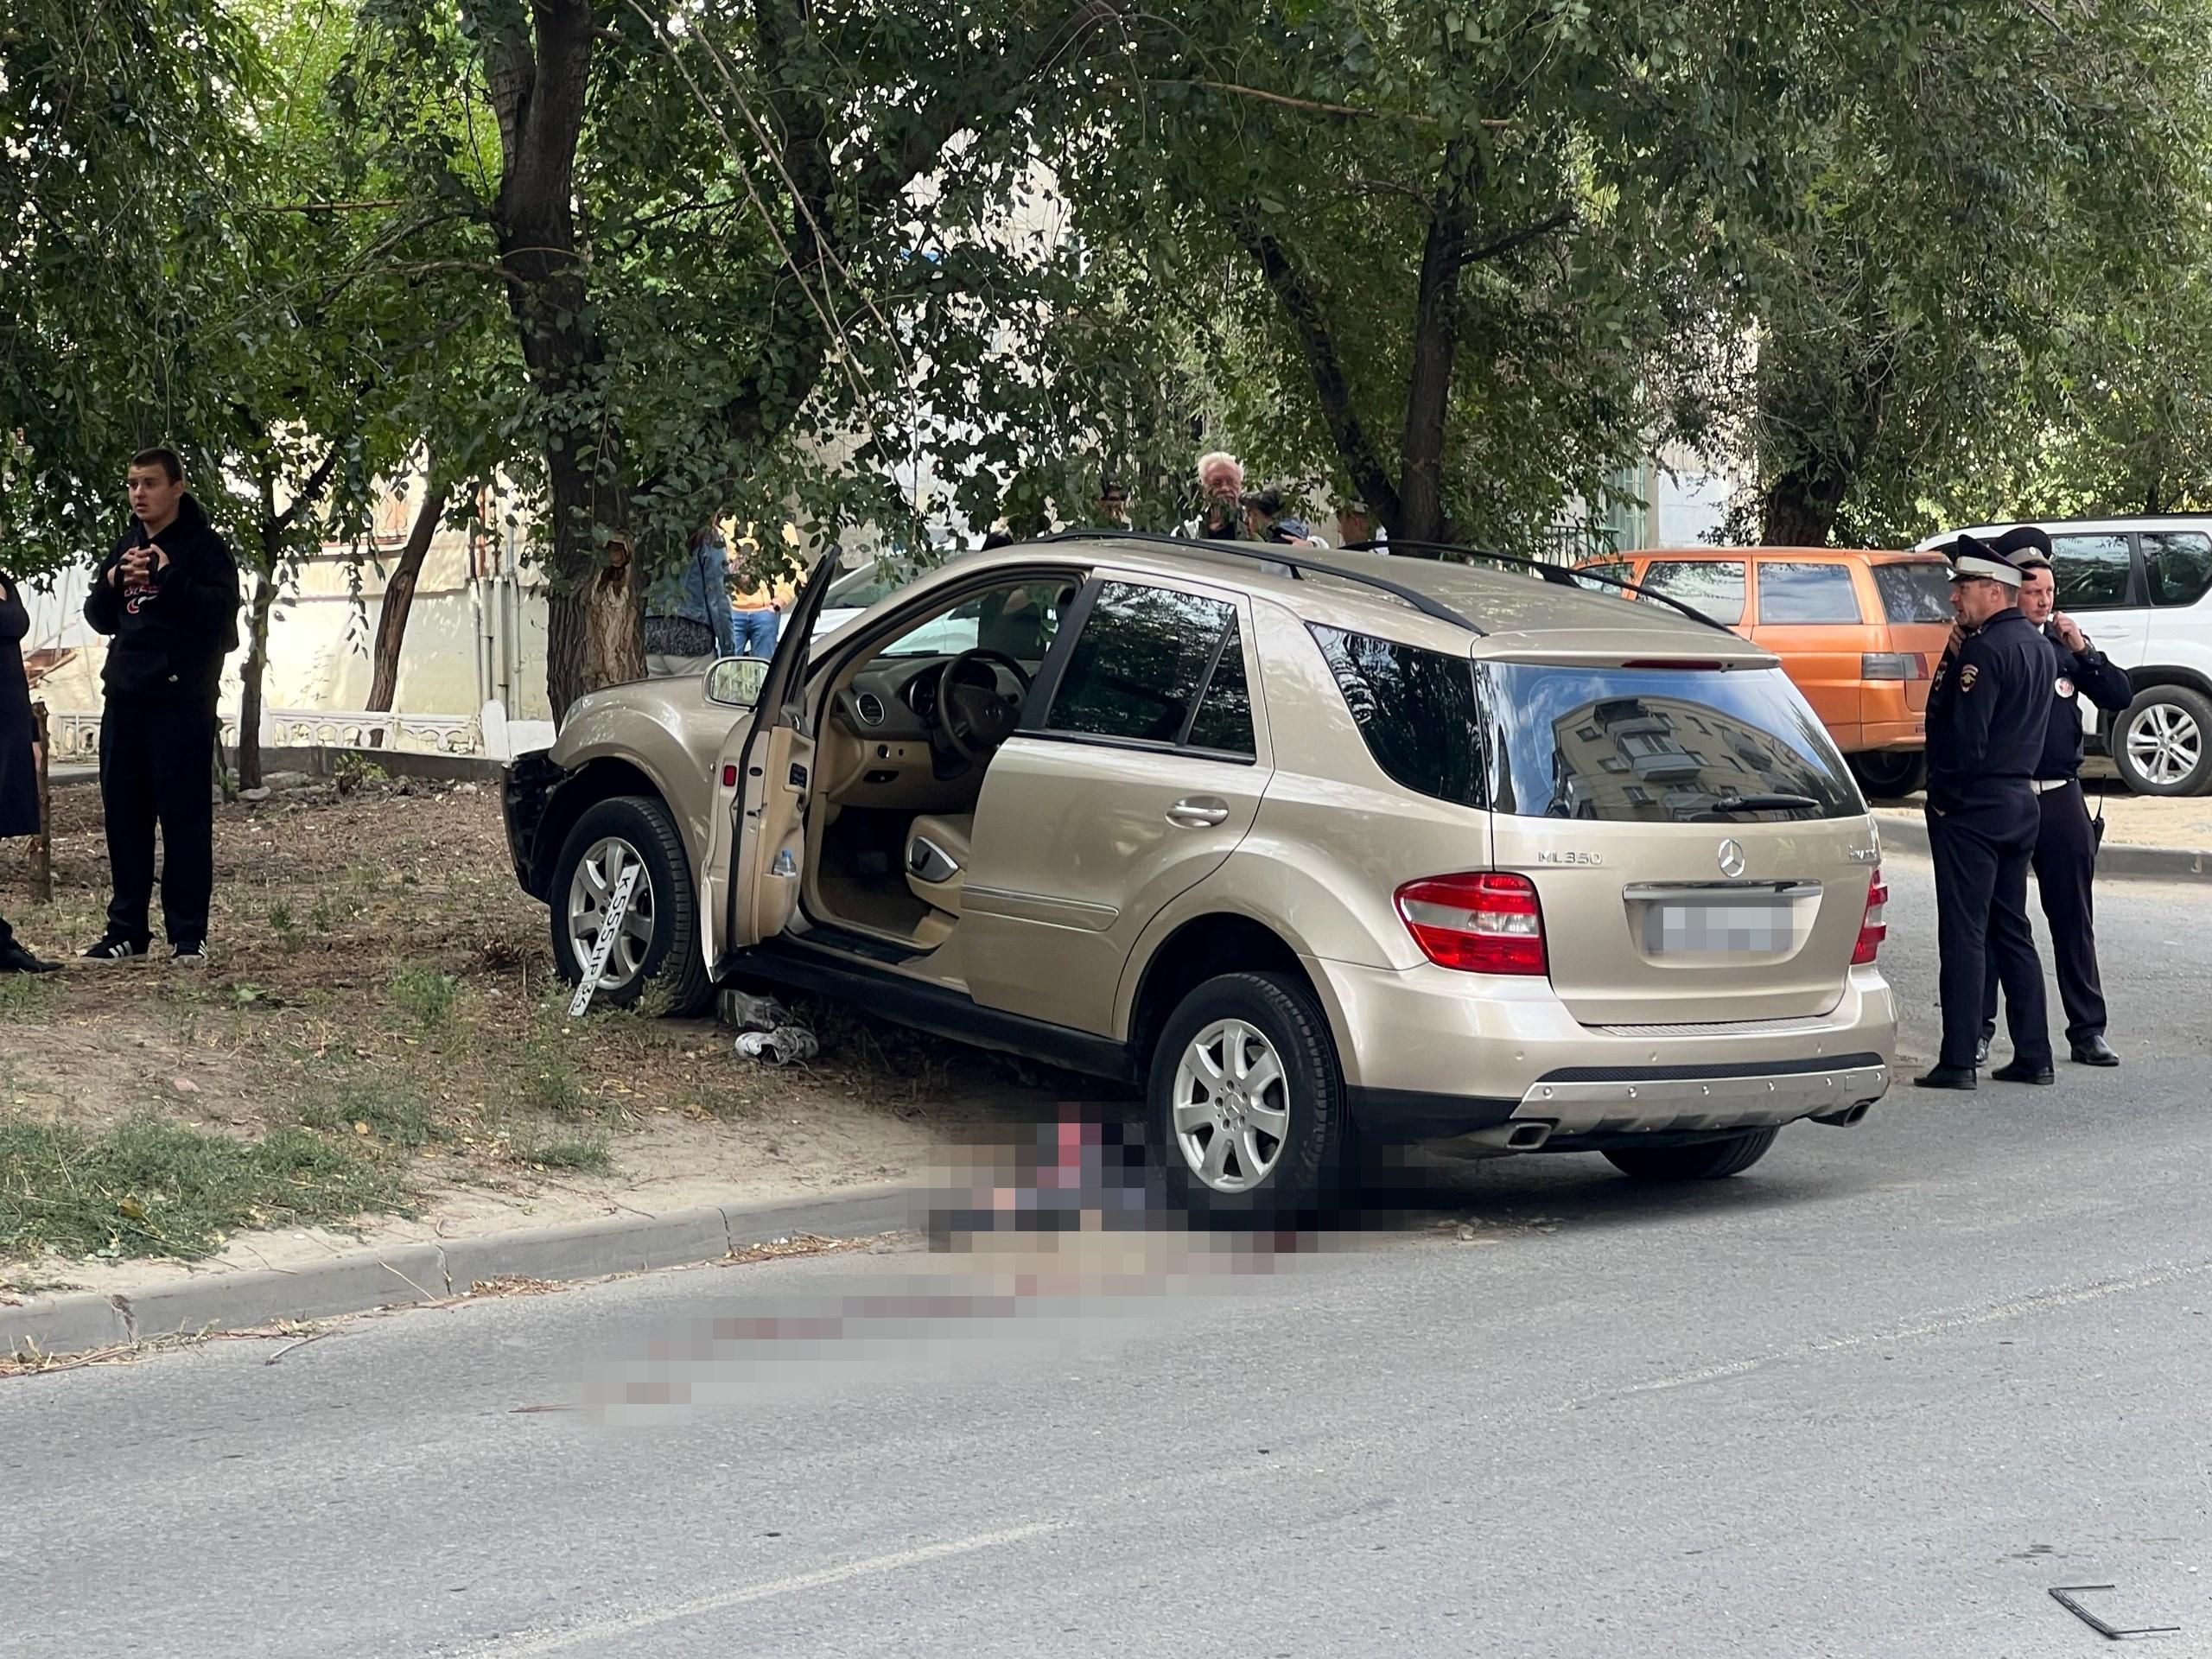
x=2165 y=743
x=1231 y=1106
x=590 y=891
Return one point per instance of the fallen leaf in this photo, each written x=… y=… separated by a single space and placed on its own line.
x=186 y=1084
x=360 y=1128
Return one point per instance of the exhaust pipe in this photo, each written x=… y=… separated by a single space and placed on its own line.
x=1521 y=1135
x=1848 y=1118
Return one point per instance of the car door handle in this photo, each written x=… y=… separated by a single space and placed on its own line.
x=1198 y=812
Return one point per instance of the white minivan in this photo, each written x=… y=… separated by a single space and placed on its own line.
x=2141 y=588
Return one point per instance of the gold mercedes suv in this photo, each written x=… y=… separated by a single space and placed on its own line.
x=1316 y=850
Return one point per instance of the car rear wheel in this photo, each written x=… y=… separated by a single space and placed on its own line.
x=1889 y=774
x=1246 y=1101
x=2164 y=743
x=1708 y=1161
x=658 y=940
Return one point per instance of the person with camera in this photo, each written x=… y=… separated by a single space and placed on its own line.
x=168 y=598
x=19 y=757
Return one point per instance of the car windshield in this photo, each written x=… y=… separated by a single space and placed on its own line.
x=1661 y=746
x=1018 y=621
x=858 y=589
x=1915 y=590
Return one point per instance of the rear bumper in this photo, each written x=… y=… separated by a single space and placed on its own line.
x=1430 y=1054
x=1588 y=1106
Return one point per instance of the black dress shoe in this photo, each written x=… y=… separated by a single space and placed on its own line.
x=2094 y=1051
x=1947 y=1077
x=14 y=959
x=2021 y=1071
x=1981 y=1050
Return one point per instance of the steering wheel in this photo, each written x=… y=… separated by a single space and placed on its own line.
x=974 y=718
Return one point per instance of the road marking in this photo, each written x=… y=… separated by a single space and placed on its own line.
x=2042 y=1301
x=521 y=1646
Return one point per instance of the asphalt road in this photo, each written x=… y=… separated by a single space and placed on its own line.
x=1873 y=1398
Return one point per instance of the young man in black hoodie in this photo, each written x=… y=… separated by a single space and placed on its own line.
x=168 y=596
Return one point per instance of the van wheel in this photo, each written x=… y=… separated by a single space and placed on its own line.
x=659 y=944
x=1246 y=1101
x=2164 y=743
x=1708 y=1161
x=1889 y=774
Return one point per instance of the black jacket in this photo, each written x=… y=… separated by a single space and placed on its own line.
x=2080 y=673
x=18 y=781
x=172 y=635
x=1989 y=711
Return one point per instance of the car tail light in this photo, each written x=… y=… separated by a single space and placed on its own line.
x=1872 y=930
x=1480 y=923
x=1894 y=665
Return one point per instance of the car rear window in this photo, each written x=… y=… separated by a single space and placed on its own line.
x=2177 y=563
x=1660 y=746
x=1794 y=591
x=1712 y=586
x=1414 y=707
x=1915 y=590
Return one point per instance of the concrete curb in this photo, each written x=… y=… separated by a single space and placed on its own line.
x=2127 y=863
x=409 y=1274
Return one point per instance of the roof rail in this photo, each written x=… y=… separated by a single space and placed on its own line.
x=1282 y=554
x=1559 y=576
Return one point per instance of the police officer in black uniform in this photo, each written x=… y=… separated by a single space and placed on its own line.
x=2066 y=842
x=1986 y=714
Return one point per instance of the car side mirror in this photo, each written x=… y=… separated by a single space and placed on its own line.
x=736 y=680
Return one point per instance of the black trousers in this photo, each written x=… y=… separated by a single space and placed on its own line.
x=2065 y=863
x=1982 y=849
x=157 y=764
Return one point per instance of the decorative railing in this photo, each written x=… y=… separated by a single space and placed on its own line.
x=76 y=737
x=324 y=728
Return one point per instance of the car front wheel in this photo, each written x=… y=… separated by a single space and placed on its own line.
x=1247 y=1102
x=2164 y=743
x=656 y=941
x=1708 y=1160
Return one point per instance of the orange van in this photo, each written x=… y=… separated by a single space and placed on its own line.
x=1858 y=630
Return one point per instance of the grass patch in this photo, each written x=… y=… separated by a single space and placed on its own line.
x=586 y=1153
x=425 y=997
x=26 y=996
x=151 y=1187
x=391 y=1111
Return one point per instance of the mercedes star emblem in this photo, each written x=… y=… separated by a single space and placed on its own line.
x=1732 y=857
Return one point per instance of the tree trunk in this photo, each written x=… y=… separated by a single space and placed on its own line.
x=1801 y=505
x=539 y=73
x=1435 y=353
x=399 y=595
x=256 y=668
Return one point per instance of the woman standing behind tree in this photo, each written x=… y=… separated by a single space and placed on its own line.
x=18 y=756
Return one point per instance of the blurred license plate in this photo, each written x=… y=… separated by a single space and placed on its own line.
x=1693 y=929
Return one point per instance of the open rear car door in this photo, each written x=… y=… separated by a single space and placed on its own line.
x=756 y=849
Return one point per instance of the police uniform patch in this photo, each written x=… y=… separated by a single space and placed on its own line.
x=1967 y=675
x=2064 y=686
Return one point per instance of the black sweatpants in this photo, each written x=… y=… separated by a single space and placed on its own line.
x=1981 y=850
x=157 y=765
x=2065 y=863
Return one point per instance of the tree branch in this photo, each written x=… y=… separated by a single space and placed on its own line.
x=1521 y=238
x=1304 y=307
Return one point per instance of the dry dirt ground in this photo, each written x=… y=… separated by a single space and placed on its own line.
x=379 y=981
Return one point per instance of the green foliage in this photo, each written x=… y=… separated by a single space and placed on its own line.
x=152 y=1187
x=387 y=1107
x=586 y=1153
x=1997 y=207
x=425 y=997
